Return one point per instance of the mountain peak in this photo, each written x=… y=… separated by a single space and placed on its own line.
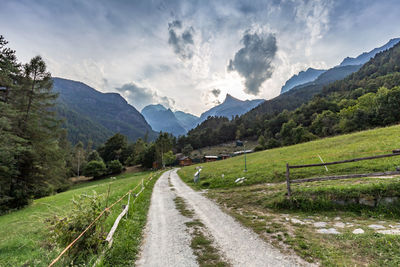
x=230 y=98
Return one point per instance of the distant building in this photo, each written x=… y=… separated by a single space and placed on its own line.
x=156 y=165
x=185 y=161
x=210 y=158
x=225 y=156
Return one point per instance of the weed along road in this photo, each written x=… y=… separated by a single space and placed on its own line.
x=167 y=240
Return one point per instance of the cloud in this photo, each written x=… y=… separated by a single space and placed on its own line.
x=254 y=61
x=181 y=39
x=140 y=97
x=216 y=92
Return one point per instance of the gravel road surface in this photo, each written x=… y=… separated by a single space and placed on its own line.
x=167 y=242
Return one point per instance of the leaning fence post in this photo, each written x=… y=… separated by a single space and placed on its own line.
x=289 y=191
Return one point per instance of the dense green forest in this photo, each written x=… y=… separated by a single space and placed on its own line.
x=365 y=99
x=36 y=157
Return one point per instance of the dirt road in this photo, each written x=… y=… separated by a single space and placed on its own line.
x=167 y=242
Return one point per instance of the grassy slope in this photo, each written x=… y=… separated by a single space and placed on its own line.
x=270 y=165
x=24 y=234
x=265 y=208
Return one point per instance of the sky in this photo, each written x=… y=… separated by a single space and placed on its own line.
x=187 y=55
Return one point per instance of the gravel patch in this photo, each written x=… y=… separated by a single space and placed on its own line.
x=240 y=245
x=320 y=224
x=331 y=231
x=376 y=226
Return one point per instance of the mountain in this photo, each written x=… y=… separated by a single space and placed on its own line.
x=364 y=57
x=303 y=93
x=303 y=77
x=310 y=75
x=162 y=119
x=90 y=114
x=231 y=107
x=187 y=120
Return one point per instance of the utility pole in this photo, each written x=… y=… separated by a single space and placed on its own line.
x=79 y=157
x=245 y=159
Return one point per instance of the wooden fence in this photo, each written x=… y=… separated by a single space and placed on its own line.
x=338 y=177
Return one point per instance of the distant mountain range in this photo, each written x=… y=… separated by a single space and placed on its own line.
x=91 y=115
x=304 y=78
x=365 y=57
x=162 y=119
x=231 y=107
x=179 y=123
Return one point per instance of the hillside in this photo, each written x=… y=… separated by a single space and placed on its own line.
x=162 y=119
x=302 y=77
x=270 y=165
x=187 y=120
x=332 y=223
x=302 y=93
x=322 y=77
x=107 y=111
x=368 y=98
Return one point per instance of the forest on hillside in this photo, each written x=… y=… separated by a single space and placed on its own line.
x=36 y=158
x=365 y=99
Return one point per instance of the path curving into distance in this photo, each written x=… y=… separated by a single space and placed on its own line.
x=167 y=242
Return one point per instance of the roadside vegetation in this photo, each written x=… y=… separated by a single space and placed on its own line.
x=29 y=240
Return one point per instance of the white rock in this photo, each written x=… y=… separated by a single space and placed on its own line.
x=337 y=219
x=376 y=226
x=390 y=232
x=331 y=231
x=339 y=224
x=358 y=231
x=320 y=224
x=297 y=221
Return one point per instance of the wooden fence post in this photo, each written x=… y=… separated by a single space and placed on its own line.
x=289 y=191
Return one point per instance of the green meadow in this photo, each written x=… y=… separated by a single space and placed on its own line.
x=269 y=166
x=25 y=238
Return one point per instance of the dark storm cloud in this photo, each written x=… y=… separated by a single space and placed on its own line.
x=254 y=61
x=140 y=97
x=216 y=92
x=181 y=40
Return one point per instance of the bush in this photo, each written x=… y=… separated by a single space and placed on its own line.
x=65 y=229
x=95 y=168
x=114 y=167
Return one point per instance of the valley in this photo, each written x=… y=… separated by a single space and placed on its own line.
x=199 y=133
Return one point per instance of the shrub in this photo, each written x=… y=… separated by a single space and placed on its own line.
x=95 y=168
x=64 y=230
x=114 y=167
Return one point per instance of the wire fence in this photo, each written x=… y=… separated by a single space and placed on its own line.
x=113 y=229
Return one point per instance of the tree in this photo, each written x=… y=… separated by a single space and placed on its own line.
x=94 y=155
x=95 y=168
x=163 y=144
x=79 y=158
x=169 y=158
x=113 y=148
x=187 y=150
x=114 y=167
x=31 y=159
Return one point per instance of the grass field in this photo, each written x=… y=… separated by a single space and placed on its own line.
x=227 y=148
x=24 y=234
x=270 y=165
x=260 y=202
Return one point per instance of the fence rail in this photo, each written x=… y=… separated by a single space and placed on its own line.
x=114 y=228
x=395 y=152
